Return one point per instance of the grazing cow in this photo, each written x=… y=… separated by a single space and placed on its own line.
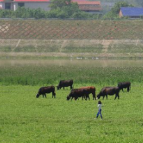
x=90 y=89
x=123 y=85
x=76 y=93
x=44 y=90
x=65 y=83
x=109 y=91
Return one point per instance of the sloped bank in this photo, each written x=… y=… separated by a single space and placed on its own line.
x=84 y=48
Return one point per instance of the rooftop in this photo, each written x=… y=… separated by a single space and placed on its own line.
x=86 y=2
x=132 y=11
x=28 y=0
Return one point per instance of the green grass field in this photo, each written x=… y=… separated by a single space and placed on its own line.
x=26 y=119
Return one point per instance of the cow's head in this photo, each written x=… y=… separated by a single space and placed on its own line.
x=98 y=96
x=120 y=85
x=37 y=95
x=68 y=97
x=58 y=87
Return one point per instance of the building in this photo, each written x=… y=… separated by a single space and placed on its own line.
x=84 y=5
x=33 y=4
x=89 y=6
x=131 y=12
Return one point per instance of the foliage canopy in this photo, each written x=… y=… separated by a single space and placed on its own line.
x=62 y=9
x=115 y=10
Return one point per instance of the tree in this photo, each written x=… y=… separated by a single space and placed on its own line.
x=63 y=9
x=118 y=5
x=59 y=3
x=73 y=8
x=115 y=10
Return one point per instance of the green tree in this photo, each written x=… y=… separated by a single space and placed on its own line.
x=59 y=3
x=118 y=5
x=63 y=9
x=70 y=9
x=115 y=10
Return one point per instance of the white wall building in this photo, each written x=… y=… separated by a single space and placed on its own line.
x=33 y=4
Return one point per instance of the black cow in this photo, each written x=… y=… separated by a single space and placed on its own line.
x=123 y=85
x=44 y=90
x=109 y=91
x=65 y=83
x=76 y=93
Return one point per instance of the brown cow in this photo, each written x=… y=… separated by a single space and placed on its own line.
x=44 y=90
x=109 y=91
x=65 y=83
x=76 y=93
x=123 y=85
x=90 y=89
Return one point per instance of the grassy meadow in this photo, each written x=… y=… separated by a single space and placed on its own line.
x=25 y=119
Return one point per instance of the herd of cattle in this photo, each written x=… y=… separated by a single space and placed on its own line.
x=84 y=92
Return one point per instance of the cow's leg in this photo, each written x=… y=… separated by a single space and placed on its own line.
x=88 y=97
x=94 y=98
x=53 y=94
x=117 y=95
x=75 y=98
x=43 y=95
x=85 y=96
x=128 y=89
x=71 y=86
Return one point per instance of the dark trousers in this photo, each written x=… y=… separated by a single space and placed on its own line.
x=99 y=113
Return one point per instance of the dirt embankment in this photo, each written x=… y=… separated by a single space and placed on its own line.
x=68 y=38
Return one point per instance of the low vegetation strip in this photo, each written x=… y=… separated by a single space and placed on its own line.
x=71 y=48
x=71 y=29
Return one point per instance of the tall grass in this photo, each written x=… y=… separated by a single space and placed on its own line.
x=50 y=72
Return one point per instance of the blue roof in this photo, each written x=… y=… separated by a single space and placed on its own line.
x=132 y=11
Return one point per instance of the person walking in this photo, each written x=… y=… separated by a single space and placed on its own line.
x=99 y=110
